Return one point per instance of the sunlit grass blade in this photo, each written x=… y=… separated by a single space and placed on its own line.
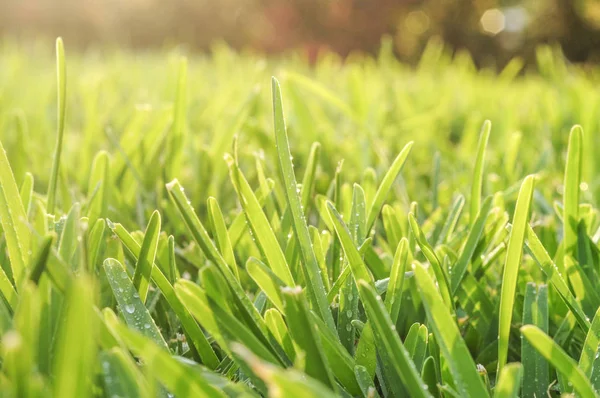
x=451 y=220
x=95 y=241
x=386 y=184
x=315 y=287
x=393 y=297
x=509 y=381
x=590 y=346
x=14 y=220
x=171 y=373
x=389 y=342
x=571 y=191
x=448 y=337
x=221 y=236
x=61 y=82
x=259 y=225
x=145 y=262
x=26 y=192
x=559 y=359
x=266 y=280
x=429 y=253
x=477 y=181
x=477 y=227
x=514 y=253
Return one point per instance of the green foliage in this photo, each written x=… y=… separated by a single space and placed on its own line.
x=294 y=276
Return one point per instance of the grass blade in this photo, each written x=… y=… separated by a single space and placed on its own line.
x=559 y=359
x=315 y=287
x=571 y=191
x=514 y=253
x=535 y=368
x=509 y=381
x=477 y=182
x=590 y=346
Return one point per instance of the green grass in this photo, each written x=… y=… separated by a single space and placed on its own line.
x=195 y=227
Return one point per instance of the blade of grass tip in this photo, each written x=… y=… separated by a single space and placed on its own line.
x=94 y=243
x=366 y=382
x=514 y=254
x=559 y=360
x=268 y=282
x=590 y=346
x=191 y=328
x=386 y=184
x=14 y=220
x=477 y=227
x=144 y=264
x=549 y=268
x=26 y=192
x=40 y=260
x=477 y=182
x=571 y=192
x=535 y=367
x=305 y=337
x=173 y=374
x=121 y=376
x=69 y=238
x=430 y=255
x=99 y=187
x=261 y=230
x=393 y=297
x=451 y=220
x=347 y=271
x=448 y=336
x=509 y=381
x=221 y=236
x=61 y=80
x=132 y=308
x=277 y=326
x=315 y=287
x=389 y=342
x=74 y=365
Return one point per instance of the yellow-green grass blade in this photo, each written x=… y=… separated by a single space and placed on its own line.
x=514 y=253
x=219 y=228
x=509 y=382
x=559 y=360
x=535 y=368
x=145 y=261
x=571 y=191
x=477 y=181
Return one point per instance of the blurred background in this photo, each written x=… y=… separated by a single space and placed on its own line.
x=493 y=31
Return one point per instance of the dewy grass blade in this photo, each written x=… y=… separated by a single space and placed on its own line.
x=266 y=280
x=393 y=297
x=61 y=80
x=386 y=184
x=571 y=191
x=541 y=256
x=221 y=236
x=559 y=359
x=477 y=182
x=590 y=346
x=388 y=342
x=535 y=367
x=121 y=375
x=145 y=262
x=315 y=287
x=514 y=253
x=132 y=308
x=14 y=221
x=191 y=328
x=448 y=336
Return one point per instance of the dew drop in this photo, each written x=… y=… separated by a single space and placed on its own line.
x=130 y=308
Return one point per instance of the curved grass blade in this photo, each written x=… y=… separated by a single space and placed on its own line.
x=266 y=279
x=279 y=329
x=99 y=188
x=509 y=381
x=121 y=376
x=477 y=182
x=388 y=342
x=366 y=382
x=26 y=192
x=145 y=261
x=315 y=287
x=448 y=336
x=477 y=227
x=132 y=308
x=191 y=328
x=94 y=243
x=61 y=80
x=549 y=268
x=571 y=191
x=451 y=220
x=14 y=221
x=559 y=359
x=221 y=236
x=260 y=226
x=171 y=372
x=590 y=346
x=393 y=297
x=514 y=253
x=386 y=184
x=429 y=253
